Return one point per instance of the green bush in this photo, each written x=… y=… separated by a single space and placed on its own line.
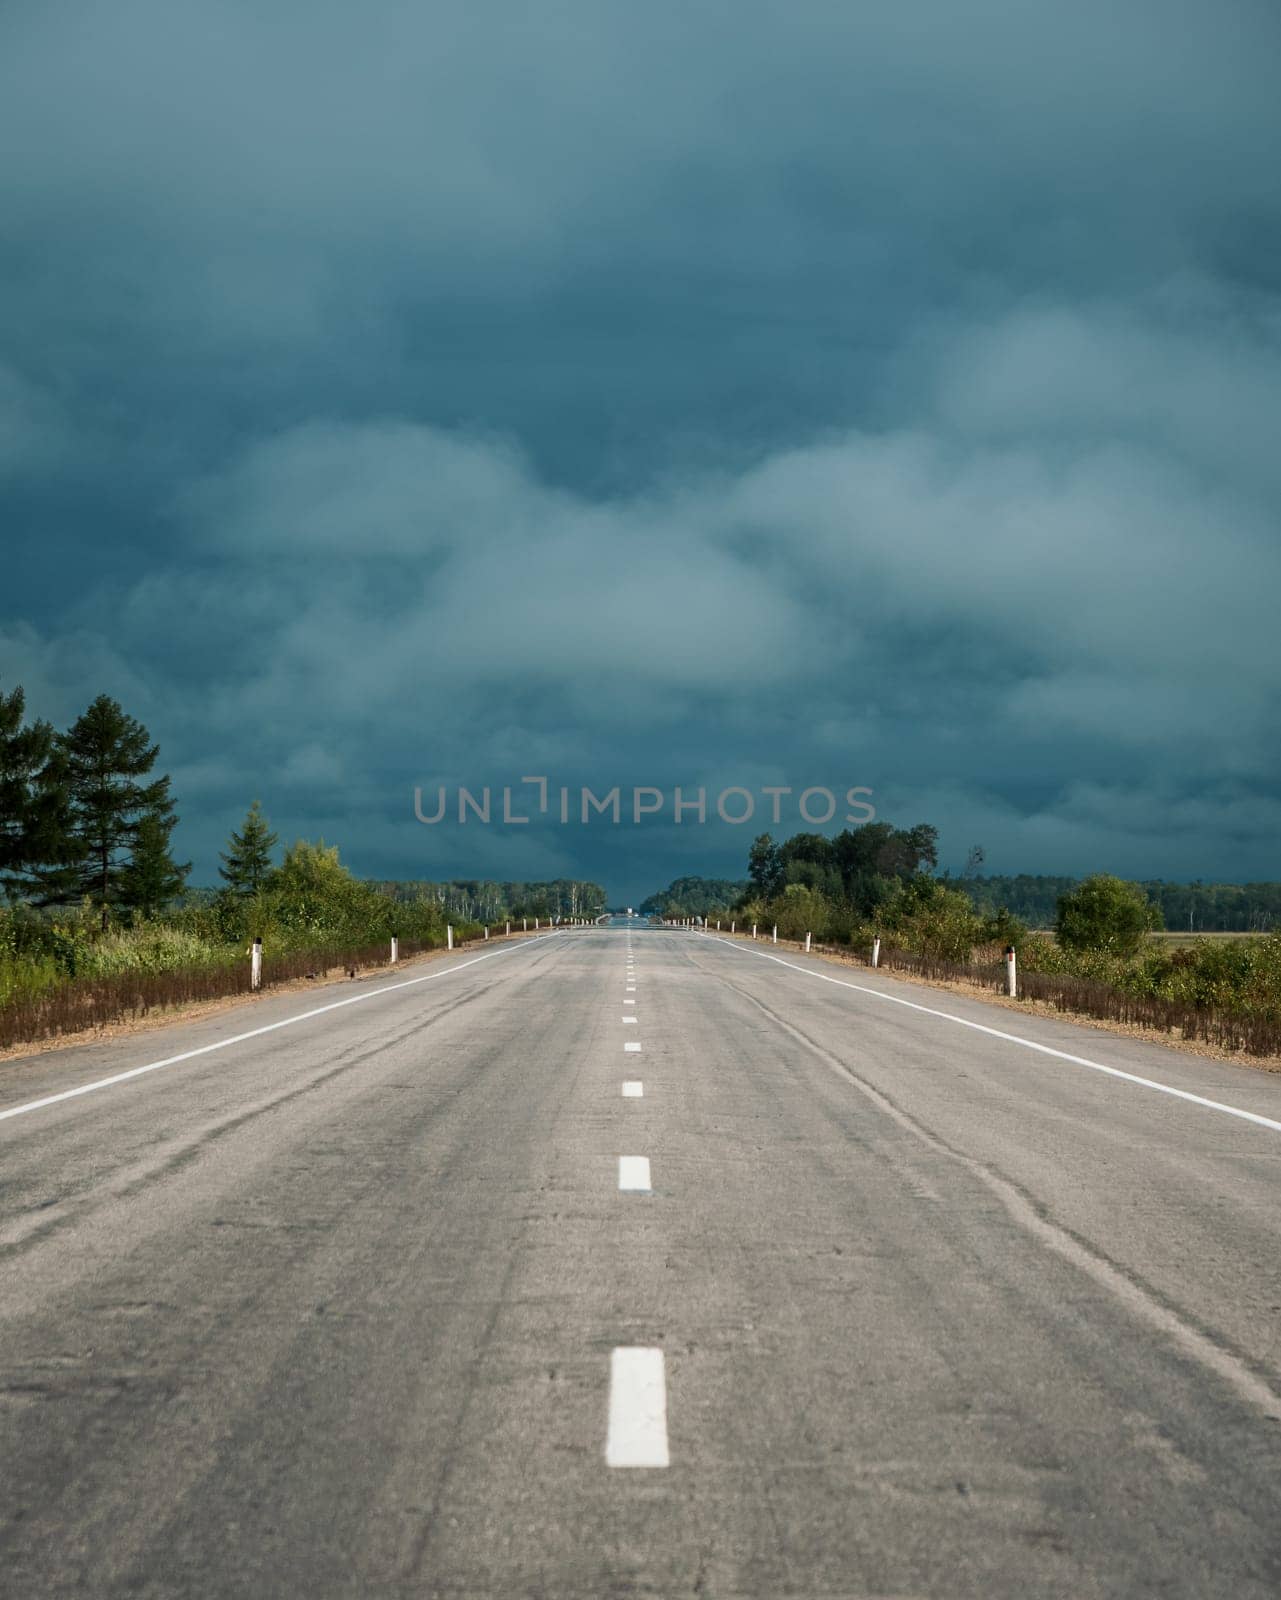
x=800 y=910
x=932 y=921
x=1106 y=913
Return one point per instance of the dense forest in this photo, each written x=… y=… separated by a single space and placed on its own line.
x=693 y=897
x=1189 y=907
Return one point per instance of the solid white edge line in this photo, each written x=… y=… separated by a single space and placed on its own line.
x=637 y=1432
x=254 y=1033
x=1014 y=1038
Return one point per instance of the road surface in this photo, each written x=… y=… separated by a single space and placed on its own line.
x=638 y=1263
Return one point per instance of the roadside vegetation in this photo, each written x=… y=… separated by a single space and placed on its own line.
x=97 y=925
x=1104 y=958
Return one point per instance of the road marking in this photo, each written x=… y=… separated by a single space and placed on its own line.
x=632 y=1020
x=1015 y=1038
x=637 y=1435
x=630 y=989
x=633 y=1174
x=633 y=1089
x=632 y=1044
x=270 y=1027
x=629 y=1002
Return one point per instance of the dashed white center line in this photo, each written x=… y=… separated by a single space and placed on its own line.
x=637 y=1434
x=632 y=1044
x=632 y=1020
x=633 y=1089
x=629 y=1002
x=633 y=1174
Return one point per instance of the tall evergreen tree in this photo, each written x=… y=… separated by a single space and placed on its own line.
x=247 y=859
x=23 y=752
x=107 y=753
x=152 y=878
x=38 y=854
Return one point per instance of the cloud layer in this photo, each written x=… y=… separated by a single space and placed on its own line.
x=677 y=395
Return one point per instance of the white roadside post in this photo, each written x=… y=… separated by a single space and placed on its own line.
x=487 y=933
x=733 y=926
x=255 y=964
x=753 y=930
x=395 y=949
x=775 y=933
x=509 y=928
x=876 y=951
x=1011 y=973
x=449 y=936
x=524 y=924
x=807 y=943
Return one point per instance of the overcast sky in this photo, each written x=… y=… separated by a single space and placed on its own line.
x=665 y=393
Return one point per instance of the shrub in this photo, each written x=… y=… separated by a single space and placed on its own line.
x=932 y=921
x=1106 y=913
x=799 y=910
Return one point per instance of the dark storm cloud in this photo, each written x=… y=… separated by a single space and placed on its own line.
x=725 y=394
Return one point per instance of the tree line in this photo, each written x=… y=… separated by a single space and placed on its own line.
x=693 y=897
x=855 y=872
x=863 y=869
x=486 y=900
x=880 y=880
x=1191 y=907
x=85 y=817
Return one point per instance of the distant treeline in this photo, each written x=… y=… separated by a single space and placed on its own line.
x=1195 y=907
x=695 y=897
x=483 y=900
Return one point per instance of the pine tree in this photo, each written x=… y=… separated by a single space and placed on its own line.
x=23 y=751
x=247 y=860
x=106 y=752
x=38 y=855
x=152 y=878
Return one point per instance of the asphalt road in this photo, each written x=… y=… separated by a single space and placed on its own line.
x=358 y=1307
